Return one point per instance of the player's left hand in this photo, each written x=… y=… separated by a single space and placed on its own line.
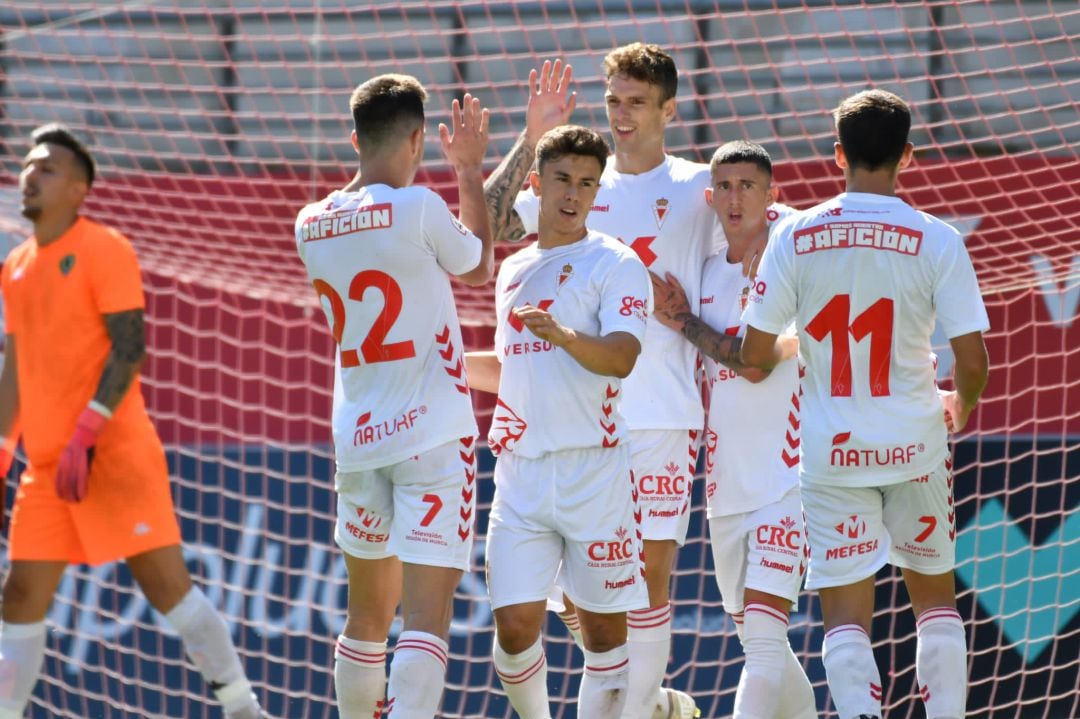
x=543 y=325
x=669 y=301
x=466 y=143
x=74 y=469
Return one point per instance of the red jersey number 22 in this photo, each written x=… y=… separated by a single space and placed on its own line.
x=373 y=349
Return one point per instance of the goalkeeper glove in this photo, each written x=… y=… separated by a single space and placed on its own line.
x=74 y=469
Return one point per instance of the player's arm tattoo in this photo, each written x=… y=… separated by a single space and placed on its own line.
x=501 y=189
x=716 y=345
x=128 y=336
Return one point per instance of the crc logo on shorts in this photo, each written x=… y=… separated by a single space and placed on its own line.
x=853 y=527
x=613 y=553
x=782 y=537
x=633 y=306
x=659 y=487
x=887 y=456
x=367 y=433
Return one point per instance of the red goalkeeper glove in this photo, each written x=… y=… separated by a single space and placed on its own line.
x=74 y=467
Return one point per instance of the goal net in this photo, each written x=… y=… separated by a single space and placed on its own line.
x=214 y=121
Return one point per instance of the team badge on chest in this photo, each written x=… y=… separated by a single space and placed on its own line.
x=566 y=273
x=660 y=212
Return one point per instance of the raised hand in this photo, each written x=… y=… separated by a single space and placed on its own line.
x=466 y=143
x=550 y=101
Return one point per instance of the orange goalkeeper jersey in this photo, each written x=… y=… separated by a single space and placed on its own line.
x=54 y=299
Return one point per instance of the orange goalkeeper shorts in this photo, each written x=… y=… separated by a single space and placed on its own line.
x=128 y=510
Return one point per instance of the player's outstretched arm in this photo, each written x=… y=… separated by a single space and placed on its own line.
x=760 y=349
x=612 y=355
x=464 y=146
x=970 y=371
x=550 y=104
x=483 y=370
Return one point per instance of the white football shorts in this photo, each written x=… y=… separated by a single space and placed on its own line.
x=576 y=508
x=763 y=550
x=420 y=510
x=854 y=531
x=663 y=462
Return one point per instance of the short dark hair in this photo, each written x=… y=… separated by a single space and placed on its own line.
x=873 y=127
x=387 y=108
x=570 y=140
x=648 y=63
x=56 y=133
x=736 y=151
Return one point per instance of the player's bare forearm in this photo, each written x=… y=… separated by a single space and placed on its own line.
x=474 y=215
x=718 y=346
x=501 y=189
x=760 y=349
x=128 y=336
x=483 y=370
x=9 y=389
x=612 y=355
x=971 y=367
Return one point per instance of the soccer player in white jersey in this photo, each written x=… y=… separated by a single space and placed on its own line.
x=654 y=203
x=570 y=319
x=866 y=274
x=751 y=445
x=380 y=254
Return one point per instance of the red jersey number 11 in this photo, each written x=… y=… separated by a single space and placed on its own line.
x=875 y=321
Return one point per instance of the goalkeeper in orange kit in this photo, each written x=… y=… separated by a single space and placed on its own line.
x=96 y=488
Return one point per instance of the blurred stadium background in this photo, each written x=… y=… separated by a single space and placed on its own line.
x=214 y=121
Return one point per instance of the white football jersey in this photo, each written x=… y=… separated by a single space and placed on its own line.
x=865 y=276
x=547 y=401
x=752 y=446
x=661 y=215
x=380 y=260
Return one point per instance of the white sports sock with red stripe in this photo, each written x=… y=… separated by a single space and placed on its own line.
x=524 y=679
x=359 y=677
x=648 y=637
x=852 y=673
x=604 y=685
x=941 y=662
x=570 y=619
x=417 y=676
x=797 y=700
x=765 y=644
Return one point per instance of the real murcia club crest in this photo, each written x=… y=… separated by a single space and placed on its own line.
x=660 y=211
x=566 y=273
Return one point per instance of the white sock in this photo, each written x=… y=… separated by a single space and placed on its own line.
x=604 y=685
x=648 y=637
x=22 y=649
x=209 y=645
x=359 y=677
x=524 y=679
x=570 y=619
x=797 y=700
x=417 y=676
x=941 y=663
x=854 y=681
x=766 y=646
